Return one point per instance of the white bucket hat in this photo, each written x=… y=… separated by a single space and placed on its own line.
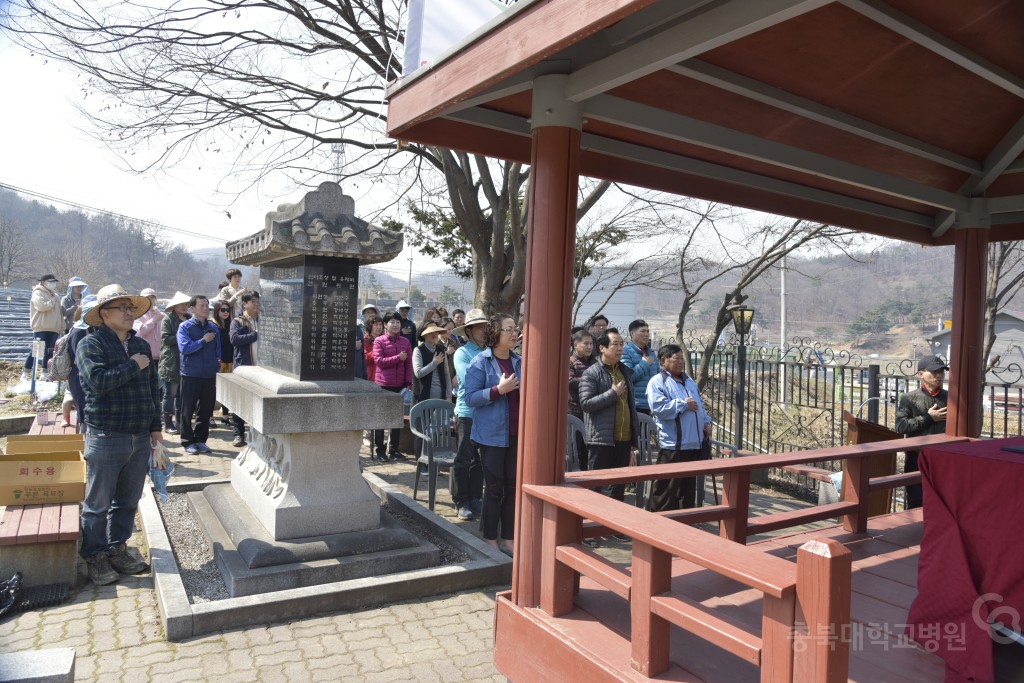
x=402 y=304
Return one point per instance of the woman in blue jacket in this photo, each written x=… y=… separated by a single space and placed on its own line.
x=492 y=391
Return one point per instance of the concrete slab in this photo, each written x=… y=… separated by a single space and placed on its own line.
x=256 y=563
x=486 y=566
x=56 y=665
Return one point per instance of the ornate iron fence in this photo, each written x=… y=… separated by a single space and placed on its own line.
x=795 y=396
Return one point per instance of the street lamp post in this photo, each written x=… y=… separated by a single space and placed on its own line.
x=742 y=317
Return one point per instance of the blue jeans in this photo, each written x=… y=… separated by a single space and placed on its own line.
x=117 y=464
x=51 y=340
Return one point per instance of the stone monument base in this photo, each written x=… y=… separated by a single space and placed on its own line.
x=252 y=562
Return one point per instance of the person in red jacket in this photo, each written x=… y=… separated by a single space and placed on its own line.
x=392 y=360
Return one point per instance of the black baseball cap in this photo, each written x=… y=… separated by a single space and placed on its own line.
x=49 y=277
x=932 y=364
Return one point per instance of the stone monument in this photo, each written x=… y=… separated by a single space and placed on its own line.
x=298 y=511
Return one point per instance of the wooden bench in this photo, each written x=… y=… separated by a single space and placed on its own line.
x=41 y=542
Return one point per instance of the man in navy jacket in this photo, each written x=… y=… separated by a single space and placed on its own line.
x=199 y=346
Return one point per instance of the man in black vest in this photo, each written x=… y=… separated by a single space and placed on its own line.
x=922 y=412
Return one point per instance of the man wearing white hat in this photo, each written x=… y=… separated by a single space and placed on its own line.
x=170 y=360
x=408 y=326
x=122 y=413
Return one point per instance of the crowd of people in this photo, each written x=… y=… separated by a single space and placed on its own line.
x=138 y=372
x=141 y=370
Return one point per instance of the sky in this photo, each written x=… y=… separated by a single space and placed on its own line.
x=46 y=149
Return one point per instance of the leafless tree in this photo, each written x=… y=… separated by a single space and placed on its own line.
x=269 y=86
x=15 y=252
x=709 y=257
x=1005 y=280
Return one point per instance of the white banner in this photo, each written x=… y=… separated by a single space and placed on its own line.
x=437 y=25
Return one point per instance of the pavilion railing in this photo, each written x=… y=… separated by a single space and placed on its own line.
x=784 y=650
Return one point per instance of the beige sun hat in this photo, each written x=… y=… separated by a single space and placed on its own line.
x=431 y=328
x=178 y=298
x=112 y=293
x=474 y=317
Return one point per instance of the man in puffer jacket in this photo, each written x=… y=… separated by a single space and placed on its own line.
x=611 y=423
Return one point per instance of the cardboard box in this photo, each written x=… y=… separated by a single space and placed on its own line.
x=42 y=478
x=20 y=448
x=45 y=437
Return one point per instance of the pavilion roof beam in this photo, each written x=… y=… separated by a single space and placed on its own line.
x=713 y=25
x=676 y=127
x=1001 y=158
x=646 y=20
x=814 y=111
x=510 y=123
x=930 y=39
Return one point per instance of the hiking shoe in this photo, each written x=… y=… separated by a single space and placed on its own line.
x=203 y=448
x=476 y=505
x=591 y=543
x=192 y=448
x=124 y=563
x=466 y=513
x=397 y=455
x=100 y=571
x=621 y=537
x=172 y=430
x=239 y=441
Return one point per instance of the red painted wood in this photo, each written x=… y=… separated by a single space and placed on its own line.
x=557 y=580
x=748 y=463
x=30 y=522
x=855 y=491
x=650 y=636
x=544 y=389
x=733 y=560
x=584 y=560
x=823 y=587
x=785 y=520
x=777 y=638
x=10 y=523
x=966 y=366
x=69 y=521
x=722 y=631
x=513 y=46
x=736 y=495
x=49 y=523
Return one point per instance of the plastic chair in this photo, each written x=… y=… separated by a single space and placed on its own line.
x=431 y=421
x=572 y=454
x=645 y=456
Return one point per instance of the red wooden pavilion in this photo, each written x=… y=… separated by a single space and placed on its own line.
x=901 y=118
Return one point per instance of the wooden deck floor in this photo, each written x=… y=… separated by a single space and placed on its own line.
x=884 y=584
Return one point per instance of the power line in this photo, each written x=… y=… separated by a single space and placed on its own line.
x=106 y=212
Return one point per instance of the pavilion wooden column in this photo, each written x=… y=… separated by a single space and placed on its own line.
x=966 y=366
x=544 y=392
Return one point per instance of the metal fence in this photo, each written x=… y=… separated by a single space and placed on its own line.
x=795 y=397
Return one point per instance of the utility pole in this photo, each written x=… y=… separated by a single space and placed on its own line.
x=782 y=333
x=409 y=296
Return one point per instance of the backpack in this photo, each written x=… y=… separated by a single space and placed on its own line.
x=61 y=363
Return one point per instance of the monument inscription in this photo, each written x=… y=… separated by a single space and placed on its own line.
x=307 y=317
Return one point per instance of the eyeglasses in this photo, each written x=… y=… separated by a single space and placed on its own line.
x=124 y=308
x=510 y=329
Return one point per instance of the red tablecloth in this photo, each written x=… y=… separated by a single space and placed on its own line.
x=972 y=554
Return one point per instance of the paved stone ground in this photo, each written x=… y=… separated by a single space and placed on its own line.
x=117 y=634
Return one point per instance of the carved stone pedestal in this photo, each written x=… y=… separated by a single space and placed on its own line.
x=299 y=474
